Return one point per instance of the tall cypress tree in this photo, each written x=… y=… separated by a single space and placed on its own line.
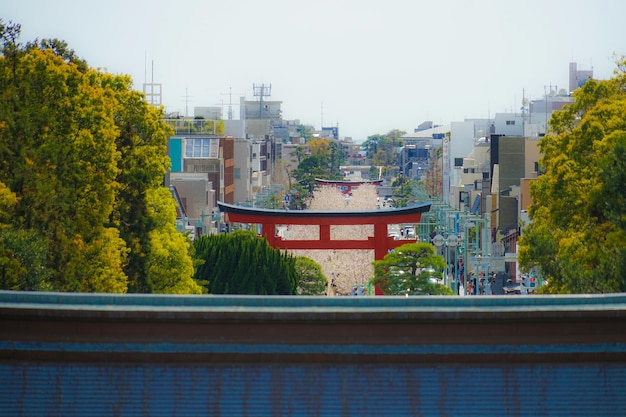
x=242 y=263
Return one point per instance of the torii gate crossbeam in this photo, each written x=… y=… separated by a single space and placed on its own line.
x=380 y=242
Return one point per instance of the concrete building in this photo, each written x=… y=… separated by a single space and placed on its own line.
x=288 y=155
x=197 y=201
x=207 y=113
x=540 y=111
x=202 y=172
x=261 y=110
x=509 y=124
x=260 y=167
x=514 y=162
x=578 y=77
x=464 y=136
x=419 y=149
x=470 y=176
x=242 y=172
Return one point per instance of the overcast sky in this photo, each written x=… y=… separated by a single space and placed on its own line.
x=367 y=66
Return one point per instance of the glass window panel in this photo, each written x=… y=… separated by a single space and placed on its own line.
x=188 y=148
x=205 y=148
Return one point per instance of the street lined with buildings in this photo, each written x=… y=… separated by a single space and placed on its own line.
x=476 y=171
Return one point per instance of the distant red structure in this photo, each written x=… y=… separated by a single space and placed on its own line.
x=346 y=186
x=380 y=242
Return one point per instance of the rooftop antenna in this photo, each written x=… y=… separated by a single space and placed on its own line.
x=261 y=91
x=230 y=103
x=322 y=116
x=151 y=89
x=187 y=96
x=548 y=91
x=523 y=112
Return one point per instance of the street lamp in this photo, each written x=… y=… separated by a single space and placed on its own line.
x=450 y=241
x=404 y=170
x=466 y=226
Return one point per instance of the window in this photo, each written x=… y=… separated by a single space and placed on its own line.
x=201 y=148
x=237 y=173
x=510 y=122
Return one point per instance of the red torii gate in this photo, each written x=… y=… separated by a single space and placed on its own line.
x=346 y=186
x=380 y=242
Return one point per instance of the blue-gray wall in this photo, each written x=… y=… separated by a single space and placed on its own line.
x=127 y=355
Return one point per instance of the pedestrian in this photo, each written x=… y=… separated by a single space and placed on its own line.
x=488 y=287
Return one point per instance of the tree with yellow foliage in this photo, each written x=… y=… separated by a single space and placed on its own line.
x=82 y=156
x=577 y=237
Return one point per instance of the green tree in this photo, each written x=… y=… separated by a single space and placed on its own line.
x=141 y=144
x=370 y=146
x=300 y=153
x=169 y=263
x=311 y=167
x=577 y=237
x=23 y=253
x=305 y=132
x=408 y=270
x=381 y=149
x=373 y=173
x=299 y=194
x=242 y=263
x=83 y=153
x=323 y=163
x=403 y=190
x=311 y=280
x=336 y=157
x=59 y=158
x=380 y=158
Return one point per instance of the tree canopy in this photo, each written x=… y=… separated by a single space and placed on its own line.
x=311 y=280
x=381 y=149
x=577 y=237
x=82 y=161
x=409 y=269
x=242 y=263
x=324 y=159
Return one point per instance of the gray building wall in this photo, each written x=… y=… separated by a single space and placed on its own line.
x=197 y=197
x=243 y=170
x=578 y=77
x=509 y=124
x=511 y=159
x=212 y=168
x=235 y=128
